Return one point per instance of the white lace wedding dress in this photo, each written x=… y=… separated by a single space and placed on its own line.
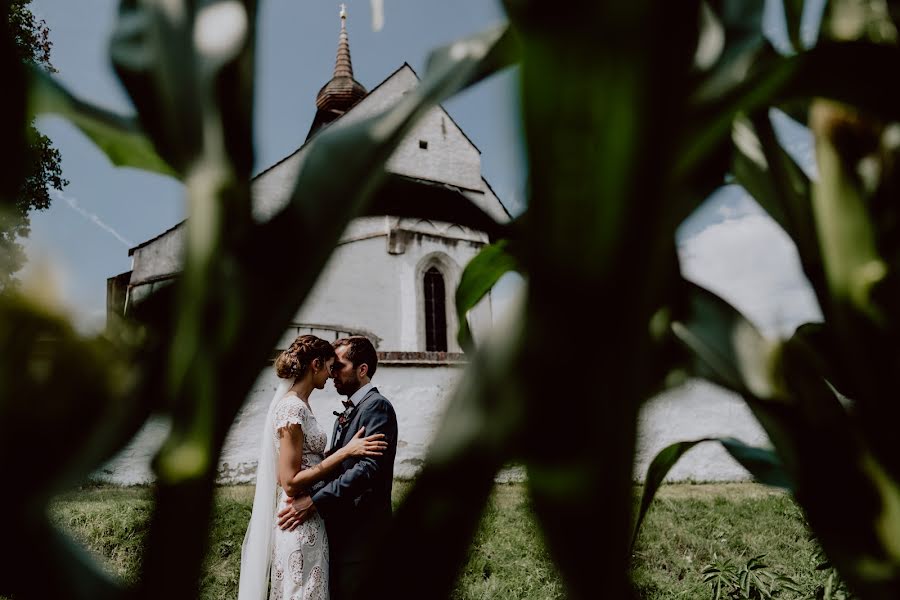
x=300 y=557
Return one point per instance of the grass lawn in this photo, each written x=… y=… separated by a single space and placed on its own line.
x=688 y=527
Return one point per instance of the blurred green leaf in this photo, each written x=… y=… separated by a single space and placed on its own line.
x=827 y=358
x=152 y=51
x=730 y=45
x=75 y=573
x=499 y=47
x=780 y=186
x=659 y=467
x=741 y=24
x=119 y=137
x=793 y=16
x=762 y=463
x=841 y=71
x=813 y=435
x=477 y=279
x=82 y=423
x=852 y=262
x=752 y=170
x=189 y=70
x=717 y=100
x=730 y=349
x=725 y=348
x=774 y=179
x=592 y=78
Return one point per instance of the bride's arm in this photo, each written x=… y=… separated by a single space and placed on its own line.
x=294 y=479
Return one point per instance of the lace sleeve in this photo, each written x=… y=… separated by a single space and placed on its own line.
x=291 y=411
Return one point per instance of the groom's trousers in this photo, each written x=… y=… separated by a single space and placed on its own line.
x=344 y=579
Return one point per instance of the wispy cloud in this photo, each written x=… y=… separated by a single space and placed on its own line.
x=74 y=205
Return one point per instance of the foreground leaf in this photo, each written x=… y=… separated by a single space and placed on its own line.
x=762 y=463
x=120 y=138
x=793 y=16
x=779 y=185
x=479 y=276
x=840 y=71
x=730 y=350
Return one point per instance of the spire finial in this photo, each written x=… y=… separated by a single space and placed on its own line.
x=343 y=66
x=343 y=91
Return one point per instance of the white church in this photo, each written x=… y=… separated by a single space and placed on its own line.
x=408 y=269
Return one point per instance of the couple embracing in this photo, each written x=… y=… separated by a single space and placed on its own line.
x=316 y=512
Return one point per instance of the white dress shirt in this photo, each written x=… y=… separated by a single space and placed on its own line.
x=359 y=394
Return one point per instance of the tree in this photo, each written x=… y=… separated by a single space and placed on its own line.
x=39 y=168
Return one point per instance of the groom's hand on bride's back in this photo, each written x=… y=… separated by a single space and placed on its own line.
x=296 y=511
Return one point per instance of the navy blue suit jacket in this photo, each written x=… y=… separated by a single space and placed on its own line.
x=356 y=501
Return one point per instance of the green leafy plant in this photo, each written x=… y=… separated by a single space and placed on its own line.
x=722 y=578
x=631 y=116
x=754 y=580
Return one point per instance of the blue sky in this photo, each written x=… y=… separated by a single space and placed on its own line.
x=729 y=244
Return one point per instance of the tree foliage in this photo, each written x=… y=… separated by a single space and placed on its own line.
x=41 y=170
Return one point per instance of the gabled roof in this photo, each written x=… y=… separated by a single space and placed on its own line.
x=313 y=133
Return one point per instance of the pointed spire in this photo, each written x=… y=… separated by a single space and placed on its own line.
x=343 y=91
x=343 y=67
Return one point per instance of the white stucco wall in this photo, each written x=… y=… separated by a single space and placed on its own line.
x=420 y=396
x=161 y=257
x=450 y=157
x=365 y=286
x=692 y=411
x=358 y=285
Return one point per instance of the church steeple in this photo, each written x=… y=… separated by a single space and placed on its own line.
x=343 y=91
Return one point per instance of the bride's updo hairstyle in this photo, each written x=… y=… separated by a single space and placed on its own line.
x=294 y=362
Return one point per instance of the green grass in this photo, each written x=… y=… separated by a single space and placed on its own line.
x=687 y=527
x=508 y=558
x=690 y=526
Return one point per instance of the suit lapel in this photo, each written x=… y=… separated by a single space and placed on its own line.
x=334 y=435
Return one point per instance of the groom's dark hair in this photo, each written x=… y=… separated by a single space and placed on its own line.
x=361 y=352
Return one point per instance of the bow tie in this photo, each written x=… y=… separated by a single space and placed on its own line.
x=347 y=403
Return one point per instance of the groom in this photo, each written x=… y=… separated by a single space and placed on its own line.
x=356 y=502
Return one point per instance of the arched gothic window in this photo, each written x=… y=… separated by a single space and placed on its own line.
x=435 y=312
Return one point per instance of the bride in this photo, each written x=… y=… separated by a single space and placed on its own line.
x=278 y=564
